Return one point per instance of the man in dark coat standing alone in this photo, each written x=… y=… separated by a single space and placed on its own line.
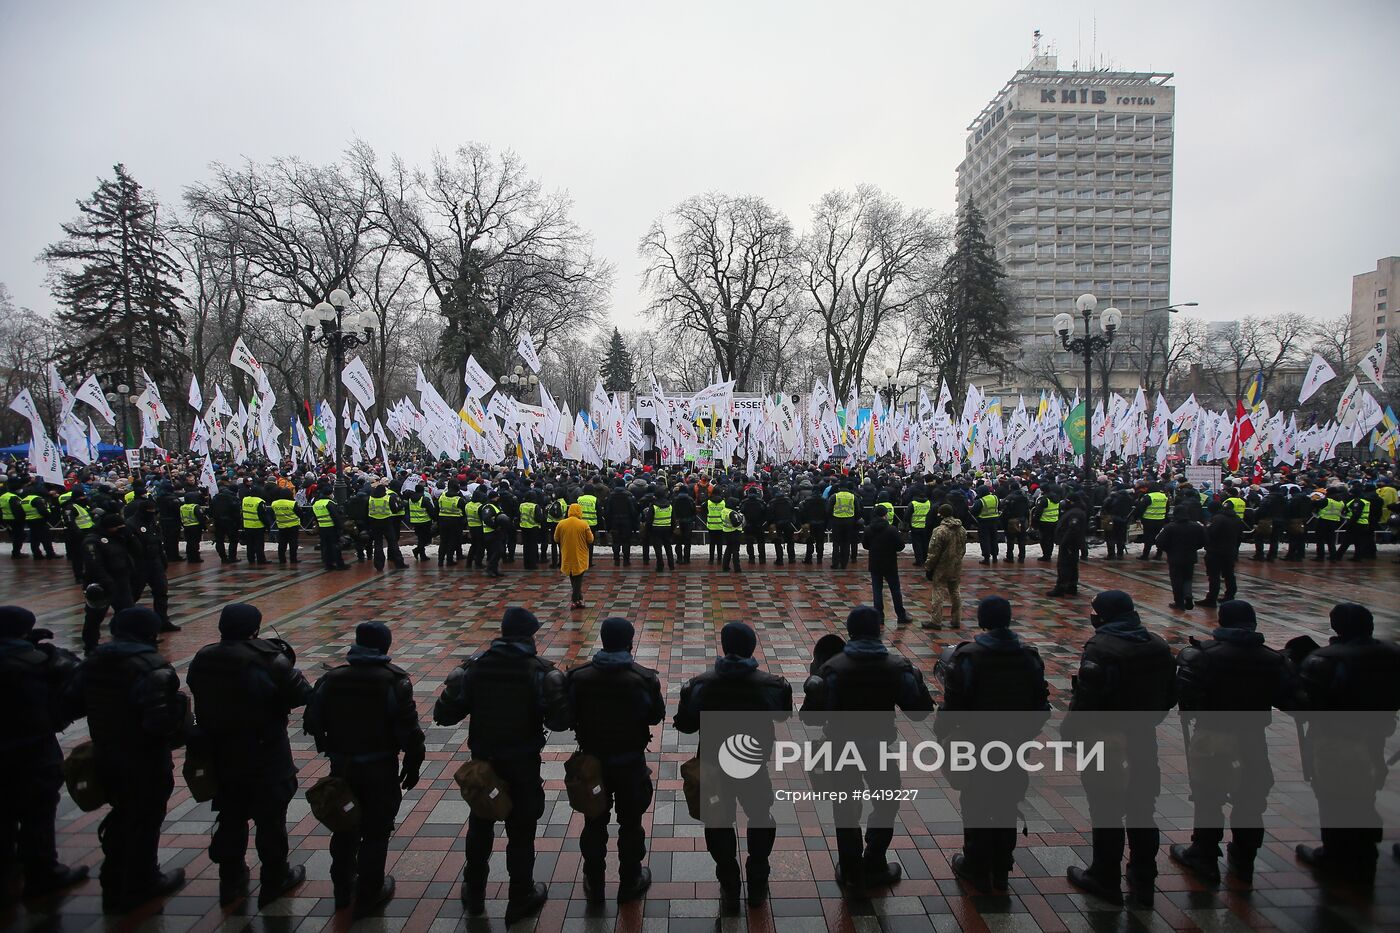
x=884 y=542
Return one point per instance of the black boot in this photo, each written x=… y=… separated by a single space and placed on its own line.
x=521 y=906
x=277 y=883
x=370 y=905
x=634 y=886
x=62 y=877
x=233 y=884
x=474 y=896
x=1201 y=864
x=593 y=890
x=1091 y=884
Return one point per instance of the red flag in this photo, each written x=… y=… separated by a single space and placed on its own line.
x=1243 y=431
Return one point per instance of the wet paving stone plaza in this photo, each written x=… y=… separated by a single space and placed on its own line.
x=438 y=617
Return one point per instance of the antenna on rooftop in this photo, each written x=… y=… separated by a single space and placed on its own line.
x=1035 y=44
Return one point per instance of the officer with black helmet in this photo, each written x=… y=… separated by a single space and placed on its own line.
x=244 y=688
x=495 y=526
x=782 y=516
x=193 y=520
x=33 y=677
x=614 y=702
x=136 y=714
x=996 y=671
x=1125 y=670
x=512 y=696
x=737 y=684
x=1359 y=675
x=362 y=715
x=149 y=552
x=78 y=523
x=109 y=569
x=866 y=676
x=1228 y=686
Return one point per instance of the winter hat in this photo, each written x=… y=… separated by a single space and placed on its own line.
x=994 y=612
x=110 y=520
x=16 y=621
x=863 y=622
x=737 y=638
x=373 y=635
x=239 y=620
x=519 y=623
x=617 y=634
x=1351 y=620
x=136 y=624
x=1236 y=613
x=1112 y=604
x=945 y=511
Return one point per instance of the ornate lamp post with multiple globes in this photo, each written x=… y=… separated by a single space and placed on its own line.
x=1086 y=347
x=341 y=330
x=517 y=381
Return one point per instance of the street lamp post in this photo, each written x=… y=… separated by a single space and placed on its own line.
x=894 y=386
x=340 y=331
x=517 y=381
x=118 y=399
x=1086 y=347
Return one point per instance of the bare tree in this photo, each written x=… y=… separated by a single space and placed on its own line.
x=498 y=254
x=721 y=266
x=865 y=261
x=27 y=343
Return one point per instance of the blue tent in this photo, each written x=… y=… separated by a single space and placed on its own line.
x=104 y=451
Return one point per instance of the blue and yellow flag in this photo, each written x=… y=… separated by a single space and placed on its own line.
x=1254 y=392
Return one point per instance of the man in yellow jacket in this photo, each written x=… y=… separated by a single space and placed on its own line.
x=575 y=539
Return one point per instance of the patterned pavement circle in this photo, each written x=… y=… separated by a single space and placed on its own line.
x=440 y=616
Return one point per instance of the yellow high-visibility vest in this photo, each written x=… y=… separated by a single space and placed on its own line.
x=1156 y=507
x=990 y=507
x=843 y=504
x=379 y=508
x=251 y=519
x=589 y=504
x=321 y=508
x=189 y=515
x=449 y=506
x=919 y=511
x=661 y=516
x=285 y=511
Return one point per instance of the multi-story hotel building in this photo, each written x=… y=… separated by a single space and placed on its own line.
x=1072 y=171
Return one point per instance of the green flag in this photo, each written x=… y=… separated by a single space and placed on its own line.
x=1074 y=428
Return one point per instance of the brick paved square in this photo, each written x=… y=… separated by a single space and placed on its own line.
x=439 y=617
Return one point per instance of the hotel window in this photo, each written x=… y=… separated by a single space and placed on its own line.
x=1380 y=306
x=1380 y=292
x=1380 y=318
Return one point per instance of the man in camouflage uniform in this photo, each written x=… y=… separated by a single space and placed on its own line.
x=943 y=566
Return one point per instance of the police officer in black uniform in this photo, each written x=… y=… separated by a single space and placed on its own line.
x=227 y=514
x=149 y=552
x=1228 y=686
x=614 y=702
x=1117 y=515
x=866 y=676
x=755 y=517
x=994 y=672
x=737 y=684
x=1127 y=670
x=782 y=516
x=683 y=520
x=136 y=715
x=362 y=716
x=812 y=512
x=193 y=519
x=168 y=502
x=244 y=688
x=109 y=570
x=1016 y=510
x=512 y=696
x=1355 y=681
x=33 y=677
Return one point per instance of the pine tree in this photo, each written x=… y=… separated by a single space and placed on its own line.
x=616 y=369
x=970 y=324
x=114 y=282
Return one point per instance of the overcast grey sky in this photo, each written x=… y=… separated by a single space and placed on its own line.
x=1288 y=144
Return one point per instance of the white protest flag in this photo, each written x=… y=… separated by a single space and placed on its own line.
x=1372 y=365
x=23 y=403
x=243 y=358
x=206 y=477
x=526 y=349
x=196 y=398
x=220 y=404
x=945 y=398
x=45 y=459
x=476 y=380
x=91 y=392
x=72 y=435
x=59 y=390
x=357 y=379
x=1346 y=405
x=1319 y=373
x=93 y=439
x=199 y=437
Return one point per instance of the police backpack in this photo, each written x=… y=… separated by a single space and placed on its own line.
x=583 y=782
x=80 y=775
x=483 y=790
x=334 y=804
x=199 y=770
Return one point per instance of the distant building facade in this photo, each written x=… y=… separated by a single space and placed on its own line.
x=1373 y=296
x=1072 y=171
